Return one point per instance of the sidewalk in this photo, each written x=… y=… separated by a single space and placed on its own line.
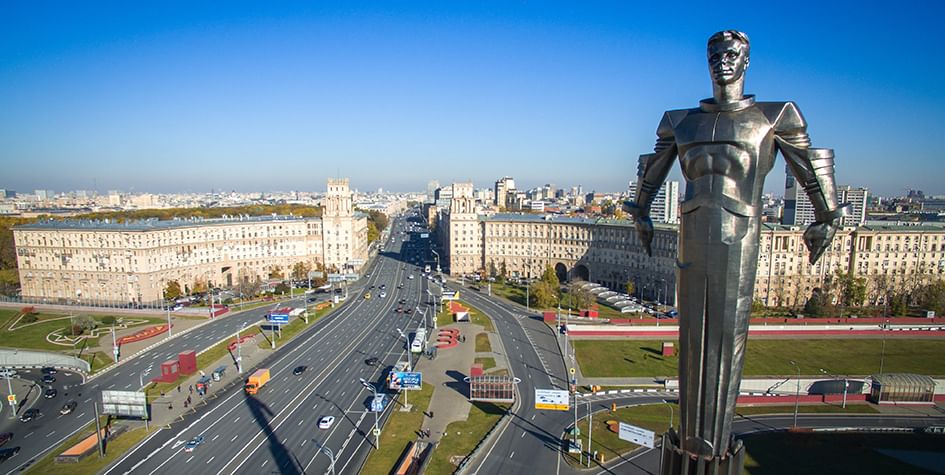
x=447 y=373
x=169 y=407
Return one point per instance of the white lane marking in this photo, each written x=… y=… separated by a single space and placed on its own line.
x=215 y=437
x=234 y=438
x=188 y=460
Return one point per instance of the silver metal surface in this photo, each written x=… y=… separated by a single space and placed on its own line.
x=725 y=148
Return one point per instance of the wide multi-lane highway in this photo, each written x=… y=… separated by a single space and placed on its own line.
x=276 y=430
x=45 y=433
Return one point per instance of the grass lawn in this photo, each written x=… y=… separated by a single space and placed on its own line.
x=482 y=343
x=487 y=363
x=34 y=335
x=461 y=437
x=776 y=453
x=655 y=417
x=628 y=358
x=91 y=464
x=297 y=325
x=517 y=294
x=475 y=317
x=399 y=430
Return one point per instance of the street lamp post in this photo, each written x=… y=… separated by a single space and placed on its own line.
x=329 y=453
x=377 y=432
x=11 y=397
x=407 y=346
x=845 y=385
x=797 y=390
x=239 y=349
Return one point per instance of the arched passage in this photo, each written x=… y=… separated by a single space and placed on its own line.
x=581 y=272
x=562 y=272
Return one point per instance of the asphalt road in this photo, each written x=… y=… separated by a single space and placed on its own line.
x=128 y=376
x=276 y=430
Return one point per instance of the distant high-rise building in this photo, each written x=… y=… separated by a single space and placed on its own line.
x=665 y=207
x=4 y=194
x=502 y=188
x=431 y=190
x=799 y=211
x=44 y=195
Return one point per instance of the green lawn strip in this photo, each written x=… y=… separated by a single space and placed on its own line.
x=444 y=318
x=632 y=358
x=776 y=453
x=92 y=463
x=487 y=362
x=517 y=294
x=399 y=430
x=293 y=328
x=7 y=316
x=656 y=417
x=482 y=343
x=461 y=437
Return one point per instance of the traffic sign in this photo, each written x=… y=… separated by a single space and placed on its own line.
x=12 y=398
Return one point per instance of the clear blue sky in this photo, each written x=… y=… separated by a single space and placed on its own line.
x=189 y=97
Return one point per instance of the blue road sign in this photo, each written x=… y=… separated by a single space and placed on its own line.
x=278 y=318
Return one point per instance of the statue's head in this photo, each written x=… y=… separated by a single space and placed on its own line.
x=728 y=53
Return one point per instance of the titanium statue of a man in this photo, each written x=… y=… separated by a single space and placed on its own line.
x=725 y=147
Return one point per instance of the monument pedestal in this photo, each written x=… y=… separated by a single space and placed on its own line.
x=676 y=461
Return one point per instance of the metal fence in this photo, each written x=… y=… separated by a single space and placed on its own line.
x=38 y=359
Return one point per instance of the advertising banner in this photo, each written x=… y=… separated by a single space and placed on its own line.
x=637 y=435
x=406 y=380
x=552 y=399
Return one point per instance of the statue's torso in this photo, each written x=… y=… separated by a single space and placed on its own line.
x=725 y=156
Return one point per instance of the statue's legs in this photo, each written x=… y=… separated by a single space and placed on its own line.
x=718 y=253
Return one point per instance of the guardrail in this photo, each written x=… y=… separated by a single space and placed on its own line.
x=38 y=359
x=460 y=469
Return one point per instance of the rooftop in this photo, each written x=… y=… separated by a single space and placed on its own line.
x=152 y=224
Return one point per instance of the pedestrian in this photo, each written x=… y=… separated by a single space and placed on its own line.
x=162 y=393
x=178 y=388
x=170 y=407
x=191 y=389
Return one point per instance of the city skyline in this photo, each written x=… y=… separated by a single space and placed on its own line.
x=177 y=98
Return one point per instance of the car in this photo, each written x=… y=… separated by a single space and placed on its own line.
x=68 y=407
x=49 y=379
x=408 y=311
x=30 y=414
x=399 y=309
x=338 y=291
x=372 y=361
x=192 y=445
x=7 y=453
x=383 y=286
x=299 y=370
x=7 y=373
x=312 y=299
x=49 y=370
x=400 y=286
x=410 y=276
x=6 y=437
x=371 y=287
x=50 y=393
x=325 y=422
x=402 y=301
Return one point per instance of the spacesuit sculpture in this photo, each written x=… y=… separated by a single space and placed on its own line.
x=725 y=147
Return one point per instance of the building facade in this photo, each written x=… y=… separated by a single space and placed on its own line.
x=133 y=262
x=665 y=207
x=608 y=252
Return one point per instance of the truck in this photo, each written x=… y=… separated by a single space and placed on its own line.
x=256 y=381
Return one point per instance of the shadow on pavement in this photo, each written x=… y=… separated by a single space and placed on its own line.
x=286 y=461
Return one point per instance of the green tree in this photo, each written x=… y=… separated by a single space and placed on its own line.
x=372 y=233
x=898 y=304
x=932 y=297
x=492 y=270
x=852 y=289
x=630 y=286
x=550 y=277
x=300 y=270
x=282 y=288
x=542 y=294
x=503 y=271
x=172 y=291
x=818 y=304
x=580 y=298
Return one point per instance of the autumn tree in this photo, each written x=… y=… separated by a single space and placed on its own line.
x=172 y=291
x=300 y=270
x=630 y=286
x=276 y=272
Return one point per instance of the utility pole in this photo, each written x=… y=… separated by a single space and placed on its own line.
x=11 y=397
x=797 y=390
x=590 y=427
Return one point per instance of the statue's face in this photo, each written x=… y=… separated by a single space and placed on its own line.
x=728 y=61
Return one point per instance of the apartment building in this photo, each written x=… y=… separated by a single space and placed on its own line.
x=132 y=262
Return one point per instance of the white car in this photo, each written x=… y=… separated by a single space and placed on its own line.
x=325 y=422
x=410 y=276
x=383 y=294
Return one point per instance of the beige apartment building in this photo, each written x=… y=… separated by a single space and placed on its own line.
x=132 y=262
x=608 y=252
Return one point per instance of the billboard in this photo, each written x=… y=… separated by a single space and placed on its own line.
x=405 y=380
x=637 y=435
x=279 y=315
x=125 y=404
x=335 y=278
x=552 y=399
